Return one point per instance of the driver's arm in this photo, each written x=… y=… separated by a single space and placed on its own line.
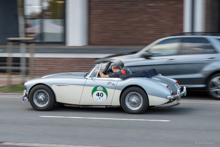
x=103 y=75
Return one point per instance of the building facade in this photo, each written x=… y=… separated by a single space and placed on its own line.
x=107 y=22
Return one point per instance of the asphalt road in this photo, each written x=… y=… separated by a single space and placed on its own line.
x=195 y=122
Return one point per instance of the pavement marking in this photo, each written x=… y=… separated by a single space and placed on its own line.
x=41 y=145
x=102 y=118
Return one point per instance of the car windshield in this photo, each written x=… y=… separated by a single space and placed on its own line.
x=95 y=71
x=96 y=68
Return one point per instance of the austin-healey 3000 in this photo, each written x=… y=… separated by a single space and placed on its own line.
x=134 y=93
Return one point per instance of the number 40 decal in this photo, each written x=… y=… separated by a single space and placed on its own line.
x=99 y=94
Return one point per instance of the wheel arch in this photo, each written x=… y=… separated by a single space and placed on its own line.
x=133 y=86
x=210 y=75
x=44 y=85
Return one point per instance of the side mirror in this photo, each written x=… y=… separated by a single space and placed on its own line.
x=146 y=55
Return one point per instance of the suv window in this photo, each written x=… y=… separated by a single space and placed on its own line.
x=196 y=46
x=166 y=47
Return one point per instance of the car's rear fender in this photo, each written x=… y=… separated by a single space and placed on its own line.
x=153 y=89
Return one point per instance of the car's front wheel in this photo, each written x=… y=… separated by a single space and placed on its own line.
x=134 y=100
x=42 y=98
x=213 y=86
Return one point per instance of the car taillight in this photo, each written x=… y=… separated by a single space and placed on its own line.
x=172 y=92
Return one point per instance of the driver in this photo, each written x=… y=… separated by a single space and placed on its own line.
x=123 y=68
x=116 y=68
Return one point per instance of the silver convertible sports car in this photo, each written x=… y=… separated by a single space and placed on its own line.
x=134 y=93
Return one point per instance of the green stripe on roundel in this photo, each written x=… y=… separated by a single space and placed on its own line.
x=100 y=88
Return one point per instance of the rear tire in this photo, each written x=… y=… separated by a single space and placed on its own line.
x=134 y=100
x=42 y=98
x=213 y=86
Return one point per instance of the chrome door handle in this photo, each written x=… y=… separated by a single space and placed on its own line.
x=110 y=84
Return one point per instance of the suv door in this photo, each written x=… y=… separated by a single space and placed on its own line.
x=194 y=54
x=162 y=59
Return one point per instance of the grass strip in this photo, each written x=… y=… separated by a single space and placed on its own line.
x=17 y=88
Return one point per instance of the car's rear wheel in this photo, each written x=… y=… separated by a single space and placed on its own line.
x=134 y=100
x=213 y=86
x=42 y=98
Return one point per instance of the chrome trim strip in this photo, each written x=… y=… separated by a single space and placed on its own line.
x=195 y=86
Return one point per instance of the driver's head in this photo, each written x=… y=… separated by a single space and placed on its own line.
x=115 y=66
x=120 y=63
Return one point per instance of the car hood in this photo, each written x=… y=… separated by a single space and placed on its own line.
x=77 y=75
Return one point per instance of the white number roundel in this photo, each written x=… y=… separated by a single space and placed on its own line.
x=99 y=96
x=99 y=93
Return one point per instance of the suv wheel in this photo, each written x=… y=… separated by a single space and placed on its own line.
x=213 y=86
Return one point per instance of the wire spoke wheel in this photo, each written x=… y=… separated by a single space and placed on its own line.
x=134 y=100
x=41 y=98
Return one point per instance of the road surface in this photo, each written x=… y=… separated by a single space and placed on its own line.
x=195 y=122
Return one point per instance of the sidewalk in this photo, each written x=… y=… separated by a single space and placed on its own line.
x=59 y=48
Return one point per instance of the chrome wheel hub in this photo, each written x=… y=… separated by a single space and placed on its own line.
x=214 y=86
x=41 y=98
x=134 y=100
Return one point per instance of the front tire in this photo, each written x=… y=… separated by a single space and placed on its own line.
x=213 y=86
x=42 y=98
x=134 y=100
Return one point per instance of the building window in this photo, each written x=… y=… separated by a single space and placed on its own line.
x=44 y=20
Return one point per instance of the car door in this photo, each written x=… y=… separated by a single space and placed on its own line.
x=98 y=91
x=162 y=57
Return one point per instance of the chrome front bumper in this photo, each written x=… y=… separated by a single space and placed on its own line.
x=24 y=97
x=178 y=95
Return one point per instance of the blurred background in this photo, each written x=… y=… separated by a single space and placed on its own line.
x=71 y=34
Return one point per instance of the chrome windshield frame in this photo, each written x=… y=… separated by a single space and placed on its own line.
x=94 y=68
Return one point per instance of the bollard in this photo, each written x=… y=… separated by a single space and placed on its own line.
x=9 y=63
x=9 y=58
x=31 y=61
